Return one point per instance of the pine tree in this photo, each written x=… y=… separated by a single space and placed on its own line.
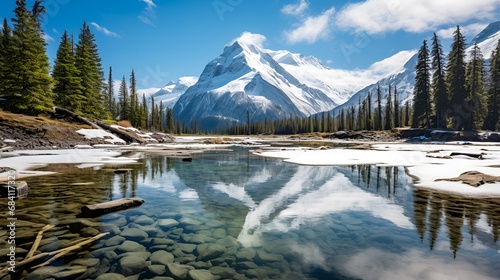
x=170 y=121
x=160 y=118
x=152 y=117
x=6 y=54
x=124 y=100
x=397 y=118
x=476 y=109
x=455 y=79
x=369 y=114
x=134 y=102
x=88 y=63
x=388 y=111
x=439 y=93
x=67 y=88
x=110 y=96
x=379 y=109
x=421 y=92
x=407 y=113
x=26 y=85
x=493 y=96
x=144 y=113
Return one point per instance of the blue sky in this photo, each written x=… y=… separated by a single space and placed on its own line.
x=163 y=40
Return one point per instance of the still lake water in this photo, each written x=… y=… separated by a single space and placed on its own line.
x=245 y=217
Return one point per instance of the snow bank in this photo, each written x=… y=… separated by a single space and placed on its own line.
x=99 y=133
x=25 y=161
x=422 y=161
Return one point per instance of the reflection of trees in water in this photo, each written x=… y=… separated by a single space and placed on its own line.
x=429 y=209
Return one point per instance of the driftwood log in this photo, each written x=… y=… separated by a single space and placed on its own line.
x=111 y=206
x=125 y=135
x=478 y=156
x=473 y=178
x=75 y=116
x=19 y=189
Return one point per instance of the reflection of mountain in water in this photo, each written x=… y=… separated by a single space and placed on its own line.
x=256 y=197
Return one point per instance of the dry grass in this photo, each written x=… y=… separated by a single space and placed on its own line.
x=124 y=124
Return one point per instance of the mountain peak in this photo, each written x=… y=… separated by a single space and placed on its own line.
x=487 y=32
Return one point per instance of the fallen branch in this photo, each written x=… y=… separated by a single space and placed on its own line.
x=38 y=240
x=75 y=116
x=125 y=135
x=57 y=254
x=111 y=206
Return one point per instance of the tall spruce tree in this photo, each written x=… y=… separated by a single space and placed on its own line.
x=388 y=111
x=455 y=79
x=134 y=102
x=88 y=63
x=379 y=109
x=493 y=95
x=26 y=85
x=124 y=100
x=110 y=96
x=369 y=112
x=170 y=121
x=67 y=87
x=397 y=117
x=144 y=114
x=421 y=92
x=439 y=92
x=6 y=54
x=475 y=85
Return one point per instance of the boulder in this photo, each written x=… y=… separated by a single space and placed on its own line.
x=111 y=206
x=178 y=271
x=200 y=274
x=211 y=251
x=19 y=189
x=131 y=265
x=161 y=257
x=134 y=234
x=130 y=246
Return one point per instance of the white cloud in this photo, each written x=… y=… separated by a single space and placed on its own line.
x=312 y=28
x=295 y=9
x=379 y=16
x=104 y=30
x=47 y=37
x=468 y=30
x=148 y=13
x=250 y=39
x=150 y=4
x=146 y=20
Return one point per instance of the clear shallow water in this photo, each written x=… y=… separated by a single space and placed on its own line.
x=267 y=219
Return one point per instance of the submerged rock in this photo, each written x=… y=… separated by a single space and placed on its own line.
x=209 y=251
x=178 y=271
x=130 y=246
x=166 y=224
x=19 y=189
x=134 y=234
x=161 y=257
x=131 y=265
x=110 y=276
x=200 y=275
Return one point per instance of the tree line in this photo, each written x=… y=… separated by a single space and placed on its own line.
x=461 y=95
x=77 y=80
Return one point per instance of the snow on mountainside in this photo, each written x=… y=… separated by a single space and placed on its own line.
x=247 y=78
x=272 y=84
x=487 y=40
x=169 y=94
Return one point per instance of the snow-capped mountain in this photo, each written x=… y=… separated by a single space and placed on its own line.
x=404 y=80
x=245 y=78
x=169 y=94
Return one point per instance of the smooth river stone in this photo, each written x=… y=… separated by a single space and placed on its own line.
x=130 y=246
x=211 y=251
x=162 y=241
x=110 y=276
x=161 y=257
x=264 y=257
x=134 y=234
x=143 y=220
x=223 y=272
x=131 y=265
x=113 y=241
x=246 y=254
x=157 y=269
x=200 y=274
x=166 y=224
x=178 y=271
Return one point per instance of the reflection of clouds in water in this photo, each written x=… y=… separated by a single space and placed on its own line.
x=311 y=255
x=235 y=192
x=374 y=264
x=302 y=180
x=188 y=194
x=261 y=176
x=337 y=194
